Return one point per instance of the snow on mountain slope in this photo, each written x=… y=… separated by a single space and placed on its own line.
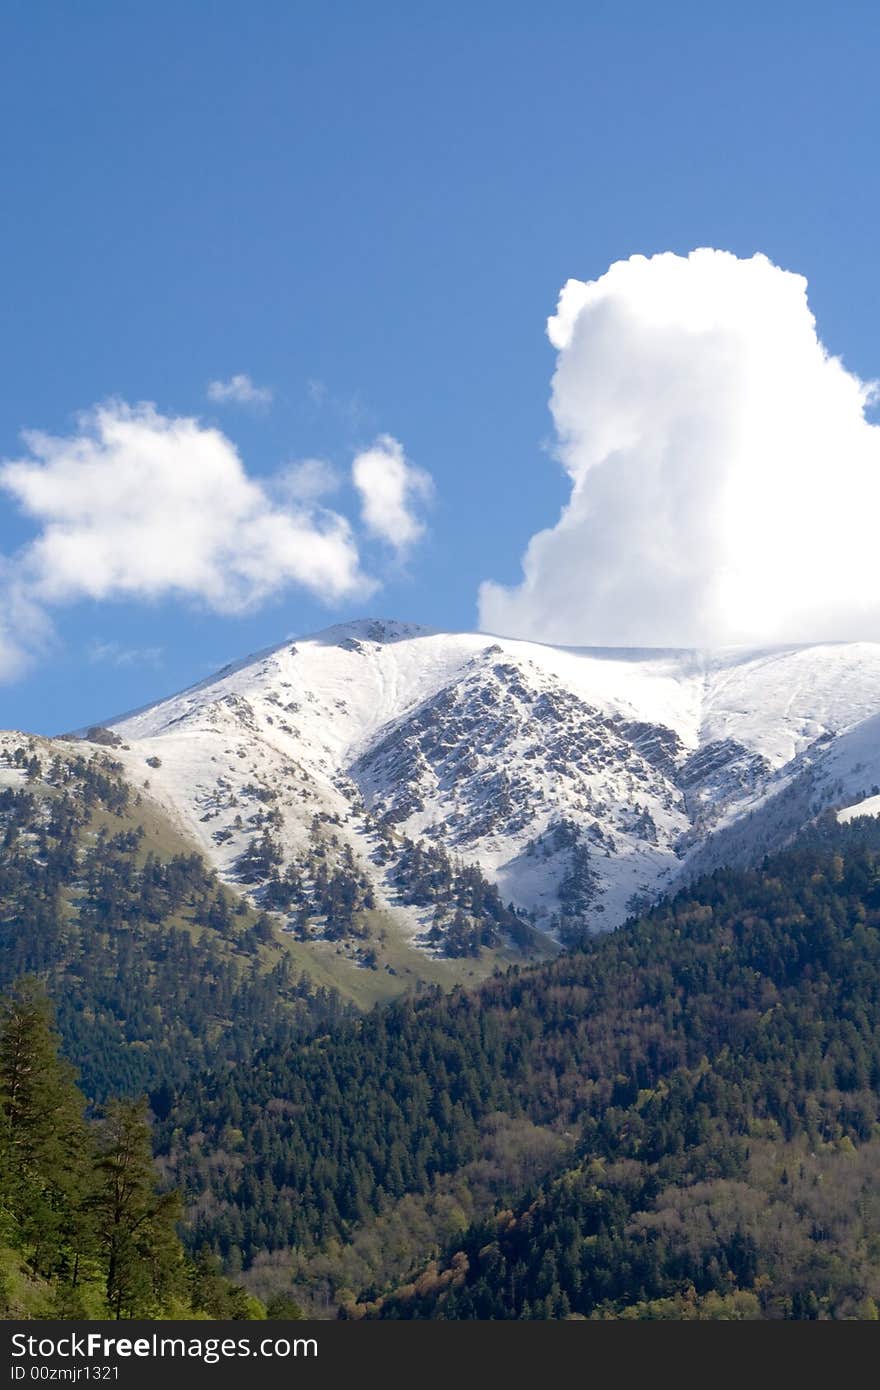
x=779 y=702
x=869 y=806
x=580 y=781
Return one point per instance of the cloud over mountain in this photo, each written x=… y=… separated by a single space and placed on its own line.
x=391 y=491
x=139 y=505
x=144 y=505
x=725 y=482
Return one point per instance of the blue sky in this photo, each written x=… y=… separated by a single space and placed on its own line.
x=370 y=209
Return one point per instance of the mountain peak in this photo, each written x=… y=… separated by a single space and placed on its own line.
x=541 y=765
x=379 y=630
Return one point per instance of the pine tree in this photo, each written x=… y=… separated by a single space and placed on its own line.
x=135 y=1222
x=45 y=1145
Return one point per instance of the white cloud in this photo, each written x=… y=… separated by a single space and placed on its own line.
x=143 y=506
x=390 y=490
x=239 y=390
x=309 y=479
x=725 y=480
x=25 y=631
x=147 y=505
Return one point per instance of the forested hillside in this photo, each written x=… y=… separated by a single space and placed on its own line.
x=720 y=1054
x=728 y=1159
x=162 y=981
x=86 y=1230
x=676 y=1119
x=156 y=970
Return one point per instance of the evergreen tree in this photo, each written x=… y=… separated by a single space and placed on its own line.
x=44 y=1142
x=135 y=1222
x=82 y=1216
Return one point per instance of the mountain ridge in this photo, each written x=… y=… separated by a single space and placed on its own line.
x=580 y=782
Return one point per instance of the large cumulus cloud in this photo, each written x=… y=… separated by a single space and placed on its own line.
x=725 y=482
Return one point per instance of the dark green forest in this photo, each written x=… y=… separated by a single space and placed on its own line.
x=675 y=1120
x=87 y=1230
x=725 y=1044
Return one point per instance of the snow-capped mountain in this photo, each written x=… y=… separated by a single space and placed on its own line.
x=581 y=782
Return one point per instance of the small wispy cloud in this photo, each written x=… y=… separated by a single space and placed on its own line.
x=309 y=479
x=391 y=490
x=114 y=654
x=239 y=390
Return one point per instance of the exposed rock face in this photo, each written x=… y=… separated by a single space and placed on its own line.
x=581 y=783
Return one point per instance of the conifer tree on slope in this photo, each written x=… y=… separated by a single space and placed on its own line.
x=135 y=1222
x=45 y=1144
